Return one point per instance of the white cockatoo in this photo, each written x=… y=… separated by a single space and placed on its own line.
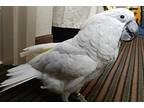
x=68 y=65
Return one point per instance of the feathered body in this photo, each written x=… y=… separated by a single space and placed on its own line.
x=69 y=64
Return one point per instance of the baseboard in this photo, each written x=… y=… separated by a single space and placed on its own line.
x=44 y=39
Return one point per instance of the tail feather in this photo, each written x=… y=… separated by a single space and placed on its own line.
x=12 y=85
x=20 y=72
x=16 y=79
x=19 y=75
x=16 y=69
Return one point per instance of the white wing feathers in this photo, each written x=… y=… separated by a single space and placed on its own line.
x=65 y=61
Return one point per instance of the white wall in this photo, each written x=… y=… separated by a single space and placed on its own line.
x=44 y=20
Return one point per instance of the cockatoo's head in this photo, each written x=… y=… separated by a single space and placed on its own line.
x=126 y=17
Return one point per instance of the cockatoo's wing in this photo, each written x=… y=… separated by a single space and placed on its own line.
x=37 y=49
x=64 y=62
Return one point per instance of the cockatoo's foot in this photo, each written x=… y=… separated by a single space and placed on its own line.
x=43 y=87
x=77 y=97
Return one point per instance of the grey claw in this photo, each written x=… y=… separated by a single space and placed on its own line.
x=77 y=97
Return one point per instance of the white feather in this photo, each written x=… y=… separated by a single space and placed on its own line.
x=13 y=85
x=19 y=75
x=37 y=49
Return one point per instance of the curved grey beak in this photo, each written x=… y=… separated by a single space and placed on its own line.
x=129 y=31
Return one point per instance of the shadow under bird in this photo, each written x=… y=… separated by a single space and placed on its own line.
x=65 y=67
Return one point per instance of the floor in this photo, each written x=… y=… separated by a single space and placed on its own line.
x=120 y=81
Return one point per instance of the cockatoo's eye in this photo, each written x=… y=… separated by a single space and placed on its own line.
x=122 y=16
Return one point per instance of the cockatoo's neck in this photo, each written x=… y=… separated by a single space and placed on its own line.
x=95 y=47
